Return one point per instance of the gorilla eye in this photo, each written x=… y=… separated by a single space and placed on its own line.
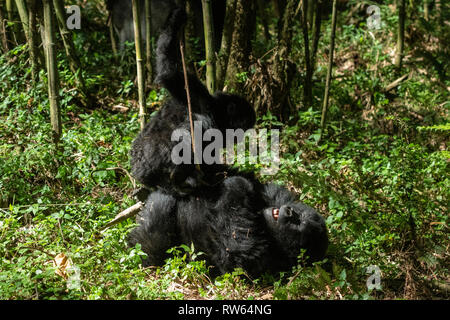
x=289 y=212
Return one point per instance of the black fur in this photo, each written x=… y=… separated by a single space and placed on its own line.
x=234 y=227
x=151 y=151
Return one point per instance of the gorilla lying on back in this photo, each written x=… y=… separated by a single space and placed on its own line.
x=151 y=151
x=235 y=227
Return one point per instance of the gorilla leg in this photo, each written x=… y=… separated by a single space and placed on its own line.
x=156 y=231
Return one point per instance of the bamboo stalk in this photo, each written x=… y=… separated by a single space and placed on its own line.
x=16 y=36
x=316 y=34
x=23 y=14
x=66 y=35
x=426 y=10
x=111 y=35
x=148 y=40
x=32 y=47
x=208 y=27
x=3 y=31
x=308 y=78
x=74 y=61
x=9 y=9
x=311 y=4
x=139 y=62
x=400 y=33
x=52 y=71
x=330 y=66
x=225 y=47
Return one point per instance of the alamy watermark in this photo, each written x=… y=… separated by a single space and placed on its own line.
x=374 y=20
x=260 y=151
x=74 y=20
x=74 y=278
x=374 y=281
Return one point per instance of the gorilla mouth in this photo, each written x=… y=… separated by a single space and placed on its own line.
x=275 y=213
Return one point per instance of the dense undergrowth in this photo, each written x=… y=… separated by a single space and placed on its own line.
x=379 y=176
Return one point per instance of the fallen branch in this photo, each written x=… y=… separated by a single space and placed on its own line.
x=125 y=214
x=394 y=84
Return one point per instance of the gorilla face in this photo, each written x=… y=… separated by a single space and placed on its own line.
x=296 y=226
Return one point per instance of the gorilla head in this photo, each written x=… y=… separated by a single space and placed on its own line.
x=296 y=226
x=293 y=224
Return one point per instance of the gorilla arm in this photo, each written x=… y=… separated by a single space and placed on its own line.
x=169 y=70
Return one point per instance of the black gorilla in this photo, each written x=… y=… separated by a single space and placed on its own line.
x=151 y=151
x=237 y=224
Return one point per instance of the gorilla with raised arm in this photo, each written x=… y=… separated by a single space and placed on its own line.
x=234 y=219
x=260 y=228
x=151 y=162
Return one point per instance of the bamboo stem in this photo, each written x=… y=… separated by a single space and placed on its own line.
x=32 y=47
x=148 y=40
x=139 y=62
x=74 y=62
x=330 y=66
x=400 y=33
x=22 y=8
x=9 y=14
x=52 y=71
x=208 y=27
x=9 y=10
x=225 y=47
x=111 y=35
x=316 y=34
x=308 y=78
x=3 y=32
